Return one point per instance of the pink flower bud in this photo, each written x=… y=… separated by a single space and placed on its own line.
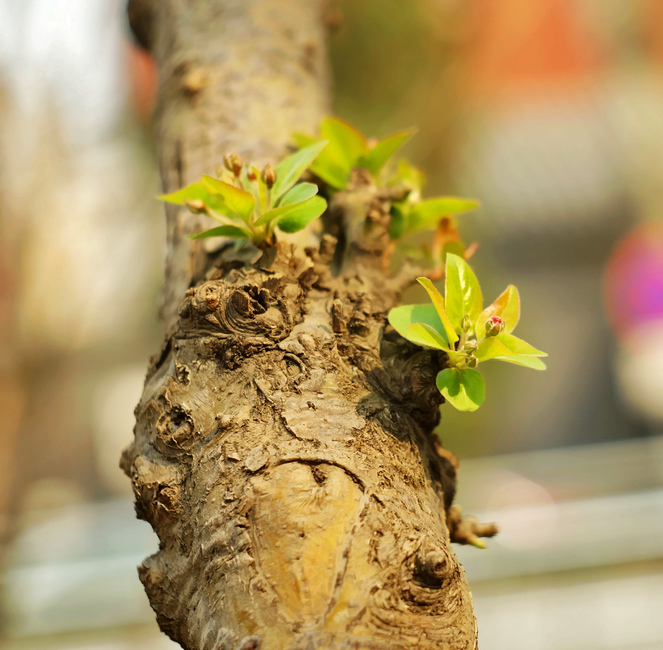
x=494 y=326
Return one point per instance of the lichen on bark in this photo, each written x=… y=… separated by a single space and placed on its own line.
x=284 y=449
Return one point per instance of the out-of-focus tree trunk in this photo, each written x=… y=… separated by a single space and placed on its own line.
x=283 y=450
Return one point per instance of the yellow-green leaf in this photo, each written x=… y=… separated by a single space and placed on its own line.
x=462 y=293
x=346 y=144
x=506 y=306
x=528 y=362
x=238 y=200
x=194 y=192
x=427 y=214
x=425 y=335
x=400 y=318
x=438 y=303
x=518 y=346
x=292 y=167
x=376 y=158
x=222 y=231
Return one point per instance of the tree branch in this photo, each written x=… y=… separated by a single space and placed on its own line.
x=283 y=449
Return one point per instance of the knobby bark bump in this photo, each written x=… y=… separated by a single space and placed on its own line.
x=283 y=449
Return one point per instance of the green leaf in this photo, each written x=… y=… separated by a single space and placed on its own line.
x=281 y=211
x=494 y=348
x=425 y=215
x=292 y=167
x=346 y=144
x=462 y=291
x=298 y=193
x=221 y=231
x=464 y=389
x=400 y=318
x=301 y=214
x=518 y=346
x=239 y=201
x=324 y=166
x=422 y=334
x=194 y=191
x=438 y=302
x=397 y=223
x=376 y=158
x=410 y=175
x=506 y=306
x=490 y=348
x=528 y=362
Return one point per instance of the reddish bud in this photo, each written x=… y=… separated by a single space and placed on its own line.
x=472 y=362
x=251 y=174
x=268 y=175
x=196 y=206
x=233 y=163
x=494 y=326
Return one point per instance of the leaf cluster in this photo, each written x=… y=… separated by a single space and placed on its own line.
x=410 y=213
x=459 y=325
x=250 y=203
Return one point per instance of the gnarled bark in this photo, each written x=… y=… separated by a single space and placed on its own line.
x=283 y=450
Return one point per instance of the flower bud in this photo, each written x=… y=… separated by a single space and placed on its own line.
x=196 y=206
x=233 y=163
x=465 y=323
x=251 y=174
x=494 y=326
x=470 y=346
x=471 y=362
x=268 y=175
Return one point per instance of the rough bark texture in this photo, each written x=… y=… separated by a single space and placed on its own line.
x=283 y=449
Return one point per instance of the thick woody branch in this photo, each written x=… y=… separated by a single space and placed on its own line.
x=283 y=450
x=234 y=75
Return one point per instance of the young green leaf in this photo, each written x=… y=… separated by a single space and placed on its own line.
x=292 y=167
x=194 y=192
x=491 y=348
x=324 y=166
x=397 y=223
x=517 y=346
x=528 y=362
x=464 y=389
x=284 y=210
x=506 y=306
x=222 y=231
x=438 y=302
x=425 y=215
x=462 y=291
x=299 y=215
x=346 y=144
x=376 y=158
x=422 y=334
x=297 y=194
x=400 y=318
x=239 y=201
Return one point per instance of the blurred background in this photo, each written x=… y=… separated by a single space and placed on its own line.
x=548 y=111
